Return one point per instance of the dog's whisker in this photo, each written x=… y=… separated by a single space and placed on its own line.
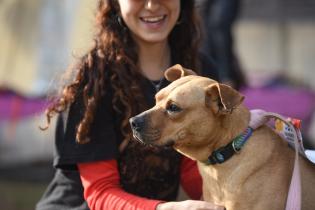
x=137 y=138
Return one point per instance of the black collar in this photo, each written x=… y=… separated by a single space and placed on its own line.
x=226 y=152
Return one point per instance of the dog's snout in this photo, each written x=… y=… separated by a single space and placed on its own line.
x=137 y=123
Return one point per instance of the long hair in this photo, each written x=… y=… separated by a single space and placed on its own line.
x=114 y=60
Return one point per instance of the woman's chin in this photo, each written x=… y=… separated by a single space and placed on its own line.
x=153 y=38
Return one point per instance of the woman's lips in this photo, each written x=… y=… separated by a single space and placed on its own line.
x=153 y=22
x=155 y=19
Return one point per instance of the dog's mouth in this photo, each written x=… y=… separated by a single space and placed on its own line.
x=137 y=137
x=169 y=143
x=152 y=139
x=146 y=138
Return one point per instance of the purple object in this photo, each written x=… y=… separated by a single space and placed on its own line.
x=15 y=107
x=288 y=101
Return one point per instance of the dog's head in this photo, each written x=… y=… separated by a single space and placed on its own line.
x=188 y=113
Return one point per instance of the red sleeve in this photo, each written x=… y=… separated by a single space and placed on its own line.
x=190 y=178
x=102 y=188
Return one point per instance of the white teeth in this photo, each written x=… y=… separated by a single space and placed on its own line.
x=153 y=19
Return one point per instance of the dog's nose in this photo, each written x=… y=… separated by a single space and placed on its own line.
x=136 y=123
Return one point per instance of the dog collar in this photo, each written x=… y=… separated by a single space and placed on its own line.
x=226 y=152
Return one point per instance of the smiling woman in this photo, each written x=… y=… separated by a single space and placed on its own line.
x=150 y=21
x=96 y=155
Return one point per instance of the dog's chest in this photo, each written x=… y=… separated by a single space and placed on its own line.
x=217 y=187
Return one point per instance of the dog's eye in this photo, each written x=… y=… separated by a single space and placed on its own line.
x=173 y=108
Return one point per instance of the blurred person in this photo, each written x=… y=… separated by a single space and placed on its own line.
x=97 y=164
x=219 y=17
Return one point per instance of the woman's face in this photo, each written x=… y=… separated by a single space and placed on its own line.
x=150 y=20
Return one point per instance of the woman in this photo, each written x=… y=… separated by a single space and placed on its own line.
x=137 y=40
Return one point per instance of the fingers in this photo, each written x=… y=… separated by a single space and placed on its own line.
x=203 y=205
x=211 y=206
x=189 y=204
x=219 y=208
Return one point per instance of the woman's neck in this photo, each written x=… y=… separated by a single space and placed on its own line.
x=154 y=59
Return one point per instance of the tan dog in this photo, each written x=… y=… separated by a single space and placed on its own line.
x=196 y=116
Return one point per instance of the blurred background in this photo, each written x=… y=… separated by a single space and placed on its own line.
x=273 y=42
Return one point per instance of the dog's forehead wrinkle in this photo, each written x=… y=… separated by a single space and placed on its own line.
x=187 y=95
x=177 y=83
x=193 y=80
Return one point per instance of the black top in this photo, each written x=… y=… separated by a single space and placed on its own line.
x=145 y=171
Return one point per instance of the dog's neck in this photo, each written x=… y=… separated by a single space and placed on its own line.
x=234 y=124
x=230 y=126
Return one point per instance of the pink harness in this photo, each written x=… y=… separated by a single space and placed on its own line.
x=290 y=131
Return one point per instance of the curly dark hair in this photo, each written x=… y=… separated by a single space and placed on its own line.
x=114 y=59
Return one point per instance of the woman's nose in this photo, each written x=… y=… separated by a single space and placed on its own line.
x=151 y=4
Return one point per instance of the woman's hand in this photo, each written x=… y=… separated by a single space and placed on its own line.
x=189 y=205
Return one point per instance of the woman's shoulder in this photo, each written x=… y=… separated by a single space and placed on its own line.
x=207 y=66
x=103 y=136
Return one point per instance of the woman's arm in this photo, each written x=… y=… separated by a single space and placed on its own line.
x=190 y=178
x=102 y=189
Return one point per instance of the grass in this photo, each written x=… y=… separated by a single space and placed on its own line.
x=19 y=195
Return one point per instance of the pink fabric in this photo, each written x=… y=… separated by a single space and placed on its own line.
x=260 y=117
x=257 y=118
x=294 y=196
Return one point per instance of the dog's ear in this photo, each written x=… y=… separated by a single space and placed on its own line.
x=222 y=98
x=177 y=71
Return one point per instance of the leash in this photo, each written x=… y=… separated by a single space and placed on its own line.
x=289 y=130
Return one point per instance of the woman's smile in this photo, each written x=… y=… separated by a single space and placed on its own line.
x=155 y=19
x=153 y=22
